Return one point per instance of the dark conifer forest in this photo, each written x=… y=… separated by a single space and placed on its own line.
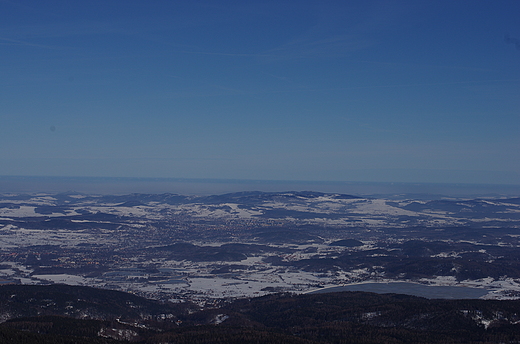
x=66 y=314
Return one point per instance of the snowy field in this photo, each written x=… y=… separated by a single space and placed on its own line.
x=126 y=229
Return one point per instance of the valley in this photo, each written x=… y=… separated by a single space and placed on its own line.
x=209 y=248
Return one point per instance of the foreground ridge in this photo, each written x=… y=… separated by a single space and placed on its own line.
x=69 y=314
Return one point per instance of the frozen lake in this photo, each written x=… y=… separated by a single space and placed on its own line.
x=430 y=292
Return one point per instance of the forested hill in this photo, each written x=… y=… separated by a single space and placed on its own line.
x=65 y=314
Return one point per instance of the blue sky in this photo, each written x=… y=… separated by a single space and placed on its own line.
x=387 y=91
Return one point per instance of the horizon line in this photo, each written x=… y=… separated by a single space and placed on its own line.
x=239 y=180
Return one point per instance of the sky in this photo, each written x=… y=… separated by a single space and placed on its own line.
x=368 y=91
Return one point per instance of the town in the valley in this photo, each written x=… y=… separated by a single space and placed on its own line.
x=212 y=248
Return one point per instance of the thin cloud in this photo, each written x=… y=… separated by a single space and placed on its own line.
x=423 y=65
x=224 y=54
x=10 y=41
x=413 y=85
x=313 y=46
x=213 y=90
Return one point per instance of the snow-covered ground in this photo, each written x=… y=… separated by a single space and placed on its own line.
x=344 y=211
x=198 y=283
x=259 y=277
x=67 y=279
x=12 y=237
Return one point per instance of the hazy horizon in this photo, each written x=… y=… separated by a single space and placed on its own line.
x=197 y=186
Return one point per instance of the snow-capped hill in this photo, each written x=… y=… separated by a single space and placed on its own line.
x=305 y=207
